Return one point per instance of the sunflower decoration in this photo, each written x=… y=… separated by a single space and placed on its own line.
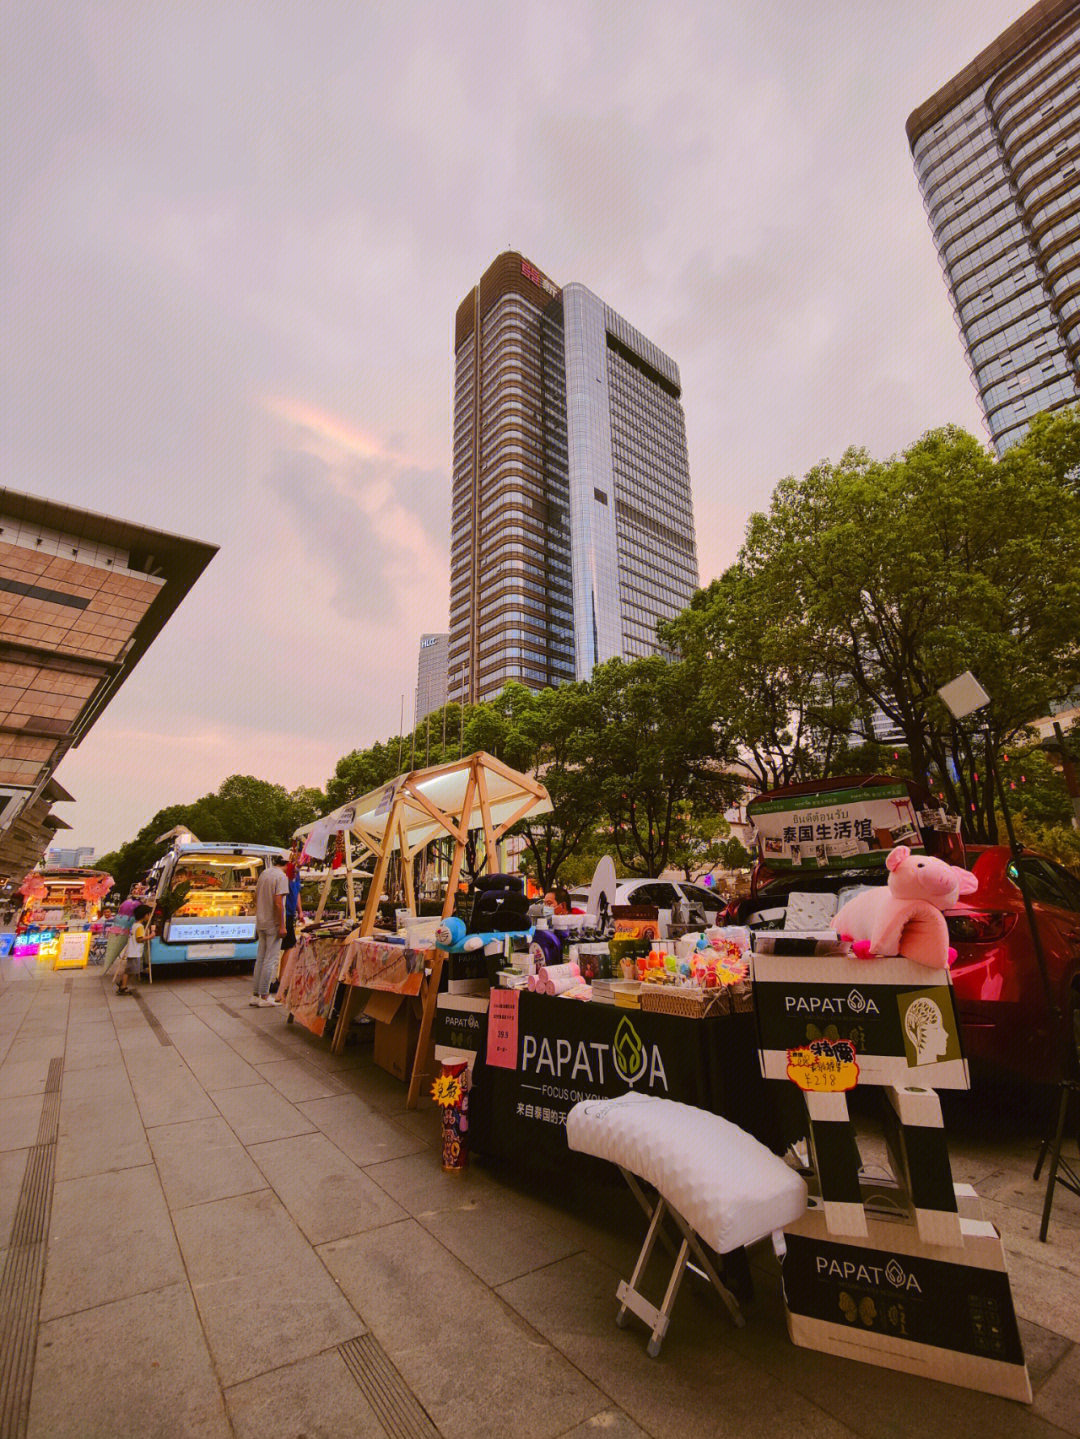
x=447 y=1091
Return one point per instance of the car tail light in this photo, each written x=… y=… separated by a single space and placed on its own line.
x=979 y=926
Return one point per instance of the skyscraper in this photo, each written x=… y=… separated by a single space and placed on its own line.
x=572 y=524
x=430 y=676
x=996 y=153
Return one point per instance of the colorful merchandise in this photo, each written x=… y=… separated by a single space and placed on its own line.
x=905 y=916
x=451 y=1092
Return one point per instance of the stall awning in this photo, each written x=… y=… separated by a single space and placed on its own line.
x=477 y=791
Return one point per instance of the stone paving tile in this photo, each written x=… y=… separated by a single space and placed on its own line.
x=19 y=1119
x=110 y=1237
x=326 y=1194
x=608 y=1424
x=12 y=1169
x=434 y=1319
x=315 y=1398
x=356 y=1129
x=137 y=1367
x=419 y=1185
x=1043 y=1350
x=100 y=1128
x=1059 y=1398
x=215 y=1065
x=295 y=1080
x=200 y=1160
x=165 y=1089
x=261 y=1291
x=258 y=1112
x=572 y=1303
x=499 y=1239
x=26 y=1076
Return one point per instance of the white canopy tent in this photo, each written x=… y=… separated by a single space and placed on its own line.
x=477 y=791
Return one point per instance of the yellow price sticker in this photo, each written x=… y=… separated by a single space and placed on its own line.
x=824 y=1066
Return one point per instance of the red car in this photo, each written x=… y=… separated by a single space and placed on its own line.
x=999 y=992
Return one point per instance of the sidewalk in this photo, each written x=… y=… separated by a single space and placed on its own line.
x=215 y=1227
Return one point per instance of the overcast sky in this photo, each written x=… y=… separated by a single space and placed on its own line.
x=234 y=238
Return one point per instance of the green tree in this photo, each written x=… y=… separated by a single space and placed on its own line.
x=657 y=753
x=787 y=716
x=901 y=574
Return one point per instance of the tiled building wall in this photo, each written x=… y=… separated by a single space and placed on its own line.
x=83 y=611
x=63 y=604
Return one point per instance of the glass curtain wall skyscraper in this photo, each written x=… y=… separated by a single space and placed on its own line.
x=996 y=152
x=572 y=521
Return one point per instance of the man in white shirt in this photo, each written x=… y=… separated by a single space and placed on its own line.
x=270 y=894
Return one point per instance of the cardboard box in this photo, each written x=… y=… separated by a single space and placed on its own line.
x=397 y=1029
x=891 y=1300
x=460 y=1030
x=899 y=1015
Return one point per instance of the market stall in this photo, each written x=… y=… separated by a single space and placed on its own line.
x=61 y=916
x=537 y=1055
x=477 y=792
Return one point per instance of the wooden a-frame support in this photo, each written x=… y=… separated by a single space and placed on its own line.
x=395 y=835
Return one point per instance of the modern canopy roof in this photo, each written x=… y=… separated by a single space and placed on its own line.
x=445 y=799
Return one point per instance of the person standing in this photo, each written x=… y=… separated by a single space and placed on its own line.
x=136 y=948
x=118 y=934
x=294 y=912
x=270 y=895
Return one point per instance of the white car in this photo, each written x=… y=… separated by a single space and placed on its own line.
x=664 y=894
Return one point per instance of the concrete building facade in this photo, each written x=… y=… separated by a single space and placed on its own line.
x=572 y=530
x=82 y=596
x=997 y=154
x=430 y=676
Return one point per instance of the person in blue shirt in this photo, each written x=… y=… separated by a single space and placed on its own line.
x=294 y=910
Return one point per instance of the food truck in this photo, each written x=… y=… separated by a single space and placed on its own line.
x=204 y=902
x=61 y=911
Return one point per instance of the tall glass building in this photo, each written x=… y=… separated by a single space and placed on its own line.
x=572 y=522
x=996 y=153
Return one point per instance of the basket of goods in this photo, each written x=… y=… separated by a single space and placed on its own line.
x=685 y=1000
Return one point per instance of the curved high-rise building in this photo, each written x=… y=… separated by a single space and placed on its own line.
x=572 y=529
x=997 y=152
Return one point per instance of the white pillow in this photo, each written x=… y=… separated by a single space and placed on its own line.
x=724 y=1182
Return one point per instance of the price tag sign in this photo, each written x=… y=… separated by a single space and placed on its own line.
x=824 y=1066
x=502 y=1035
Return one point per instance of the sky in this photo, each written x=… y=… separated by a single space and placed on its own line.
x=234 y=238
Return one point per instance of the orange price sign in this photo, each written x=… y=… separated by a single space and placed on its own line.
x=824 y=1066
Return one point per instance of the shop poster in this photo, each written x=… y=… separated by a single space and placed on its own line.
x=843 y=829
x=314 y=981
x=502 y=1035
x=370 y=964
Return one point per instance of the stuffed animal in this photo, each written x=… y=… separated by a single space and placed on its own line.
x=904 y=916
x=451 y=935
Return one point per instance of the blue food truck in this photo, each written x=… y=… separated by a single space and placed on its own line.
x=204 y=898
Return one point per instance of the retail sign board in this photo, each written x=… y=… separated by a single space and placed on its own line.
x=891 y=1300
x=213 y=931
x=899 y=1017
x=502 y=1036
x=839 y=829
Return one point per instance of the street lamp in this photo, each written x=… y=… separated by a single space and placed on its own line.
x=964 y=696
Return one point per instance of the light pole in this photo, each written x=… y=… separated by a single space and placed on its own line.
x=962 y=697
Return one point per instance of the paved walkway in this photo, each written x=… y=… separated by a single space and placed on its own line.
x=215 y=1227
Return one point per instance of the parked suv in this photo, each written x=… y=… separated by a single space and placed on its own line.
x=999 y=992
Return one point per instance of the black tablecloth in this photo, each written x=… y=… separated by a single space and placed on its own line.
x=569 y=1050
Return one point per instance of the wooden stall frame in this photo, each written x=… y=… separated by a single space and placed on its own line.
x=402 y=793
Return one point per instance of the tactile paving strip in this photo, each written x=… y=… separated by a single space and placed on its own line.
x=24 y=1267
x=395 y=1405
x=152 y=1020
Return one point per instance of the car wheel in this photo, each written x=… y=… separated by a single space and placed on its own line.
x=1074 y=1030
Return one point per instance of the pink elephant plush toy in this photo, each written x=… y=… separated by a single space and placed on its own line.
x=904 y=916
